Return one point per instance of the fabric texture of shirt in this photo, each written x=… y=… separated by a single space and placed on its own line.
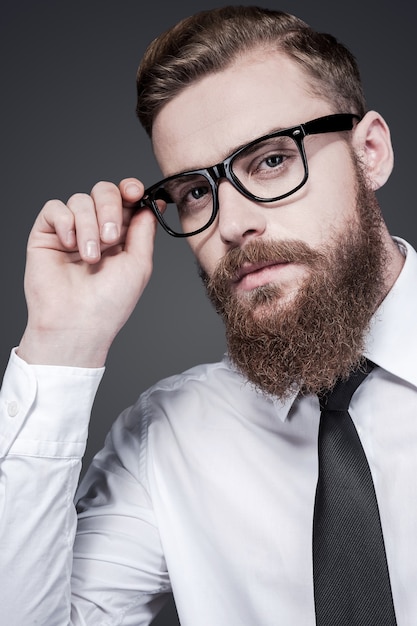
x=204 y=487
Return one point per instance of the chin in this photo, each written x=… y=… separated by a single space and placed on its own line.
x=267 y=299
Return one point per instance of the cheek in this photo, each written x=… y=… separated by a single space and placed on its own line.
x=207 y=249
x=327 y=218
x=331 y=206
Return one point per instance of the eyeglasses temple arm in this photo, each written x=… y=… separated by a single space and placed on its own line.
x=330 y=123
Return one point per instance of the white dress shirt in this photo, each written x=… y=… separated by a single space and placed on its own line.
x=204 y=487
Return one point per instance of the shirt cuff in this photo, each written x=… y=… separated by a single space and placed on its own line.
x=45 y=409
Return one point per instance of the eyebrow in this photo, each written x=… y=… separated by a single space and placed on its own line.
x=264 y=134
x=230 y=151
x=177 y=182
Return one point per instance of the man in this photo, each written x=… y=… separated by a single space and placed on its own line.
x=207 y=485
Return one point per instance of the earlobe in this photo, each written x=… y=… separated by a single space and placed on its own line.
x=372 y=143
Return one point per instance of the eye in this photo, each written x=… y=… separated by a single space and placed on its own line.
x=193 y=199
x=274 y=160
x=267 y=163
x=271 y=157
x=198 y=192
x=193 y=195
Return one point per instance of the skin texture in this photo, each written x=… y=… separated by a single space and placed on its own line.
x=89 y=260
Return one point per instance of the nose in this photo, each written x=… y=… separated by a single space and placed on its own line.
x=239 y=218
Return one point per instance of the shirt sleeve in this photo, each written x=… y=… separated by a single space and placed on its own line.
x=44 y=416
x=119 y=574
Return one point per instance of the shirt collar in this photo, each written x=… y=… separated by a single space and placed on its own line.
x=281 y=407
x=284 y=406
x=392 y=339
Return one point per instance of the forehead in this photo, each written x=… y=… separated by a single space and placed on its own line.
x=262 y=91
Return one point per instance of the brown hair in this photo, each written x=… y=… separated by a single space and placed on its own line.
x=209 y=41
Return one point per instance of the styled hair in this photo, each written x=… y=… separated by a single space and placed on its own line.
x=210 y=41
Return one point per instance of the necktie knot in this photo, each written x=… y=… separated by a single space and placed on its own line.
x=338 y=398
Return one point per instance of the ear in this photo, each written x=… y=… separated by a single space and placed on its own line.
x=371 y=141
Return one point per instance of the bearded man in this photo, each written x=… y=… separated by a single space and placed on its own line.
x=211 y=485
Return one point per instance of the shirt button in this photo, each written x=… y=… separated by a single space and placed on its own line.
x=13 y=408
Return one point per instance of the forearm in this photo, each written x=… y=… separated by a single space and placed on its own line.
x=44 y=415
x=88 y=262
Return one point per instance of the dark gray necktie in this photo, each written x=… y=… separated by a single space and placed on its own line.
x=351 y=579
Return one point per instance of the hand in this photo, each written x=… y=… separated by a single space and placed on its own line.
x=88 y=263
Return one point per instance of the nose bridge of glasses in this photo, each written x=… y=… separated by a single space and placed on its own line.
x=217 y=172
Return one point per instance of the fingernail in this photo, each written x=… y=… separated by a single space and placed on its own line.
x=109 y=231
x=132 y=189
x=91 y=249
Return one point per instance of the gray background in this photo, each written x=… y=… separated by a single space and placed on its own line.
x=67 y=104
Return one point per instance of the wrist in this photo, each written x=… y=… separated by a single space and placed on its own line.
x=53 y=347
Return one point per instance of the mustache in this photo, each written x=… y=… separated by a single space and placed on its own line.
x=263 y=251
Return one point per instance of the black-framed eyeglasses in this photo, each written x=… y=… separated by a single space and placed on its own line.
x=266 y=169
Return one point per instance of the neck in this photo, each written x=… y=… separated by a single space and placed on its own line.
x=394 y=263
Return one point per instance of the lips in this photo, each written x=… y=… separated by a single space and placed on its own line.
x=252 y=268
